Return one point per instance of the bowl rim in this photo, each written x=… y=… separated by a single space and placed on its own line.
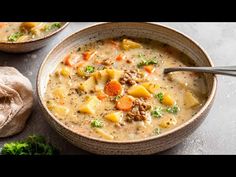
x=208 y=102
x=37 y=39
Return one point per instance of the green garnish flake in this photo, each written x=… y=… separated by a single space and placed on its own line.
x=157 y=112
x=89 y=69
x=15 y=36
x=173 y=110
x=53 y=26
x=157 y=131
x=97 y=123
x=32 y=145
x=147 y=62
x=117 y=97
x=159 y=96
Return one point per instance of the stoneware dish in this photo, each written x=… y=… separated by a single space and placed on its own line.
x=144 y=30
x=28 y=46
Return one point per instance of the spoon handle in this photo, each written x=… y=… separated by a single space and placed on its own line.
x=223 y=70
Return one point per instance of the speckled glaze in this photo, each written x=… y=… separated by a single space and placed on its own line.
x=31 y=45
x=145 y=30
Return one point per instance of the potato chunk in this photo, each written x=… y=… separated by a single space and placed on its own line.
x=88 y=85
x=90 y=105
x=101 y=77
x=138 y=91
x=190 y=100
x=129 y=44
x=58 y=110
x=168 y=100
x=152 y=88
x=115 y=116
x=59 y=92
x=168 y=122
x=104 y=134
x=114 y=74
x=65 y=71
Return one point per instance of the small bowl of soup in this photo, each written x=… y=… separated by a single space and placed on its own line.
x=20 y=37
x=103 y=88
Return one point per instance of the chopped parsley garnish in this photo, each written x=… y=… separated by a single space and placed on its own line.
x=89 y=69
x=173 y=110
x=15 y=36
x=53 y=26
x=159 y=96
x=117 y=97
x=157 y=112
x=147 y=62
x=157 y=131
x=97 y=123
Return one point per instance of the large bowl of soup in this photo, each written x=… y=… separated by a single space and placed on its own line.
x=21 y=37
x=103 y=88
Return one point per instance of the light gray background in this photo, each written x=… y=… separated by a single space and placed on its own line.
x=217 y=134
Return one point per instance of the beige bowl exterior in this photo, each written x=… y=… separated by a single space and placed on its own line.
x=31 y=45
x=146 y=30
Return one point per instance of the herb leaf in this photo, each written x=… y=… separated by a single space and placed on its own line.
x=146 y=62
x=157 y=131
x=157 y=112
x=159 y=96
x=89 y=69
x=97 y=123
x=32 y=145
x=53 y=26
x=117 y=97
x=15 y=36
x=173 y=110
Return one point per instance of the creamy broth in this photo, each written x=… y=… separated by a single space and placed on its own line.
x=25 y=31
x=115 y=89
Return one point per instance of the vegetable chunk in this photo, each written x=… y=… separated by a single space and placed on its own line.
x=190 y=100
x=138 y=91
x=115 y=116
x=90 y=105
x=129 y=44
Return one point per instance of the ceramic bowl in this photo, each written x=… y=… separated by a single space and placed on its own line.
x=144 y=30
x=30 y=45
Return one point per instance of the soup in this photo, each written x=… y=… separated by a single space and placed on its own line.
x=115 y=89
x=25 y=31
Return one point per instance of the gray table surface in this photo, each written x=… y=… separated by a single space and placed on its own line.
x=217 y=134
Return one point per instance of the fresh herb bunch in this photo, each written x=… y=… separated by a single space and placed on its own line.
x=32 y=145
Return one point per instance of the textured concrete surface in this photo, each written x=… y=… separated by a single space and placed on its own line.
x=217 y=134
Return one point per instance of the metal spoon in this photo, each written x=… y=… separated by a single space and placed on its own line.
x=224 y=70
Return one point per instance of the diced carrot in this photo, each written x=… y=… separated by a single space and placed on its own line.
x=119 y=57
x=2 y=24
x=125 y=103
x=100 y=95
x=67 y=60
x=113 y=88
x=87 y=55
x=150 y=68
